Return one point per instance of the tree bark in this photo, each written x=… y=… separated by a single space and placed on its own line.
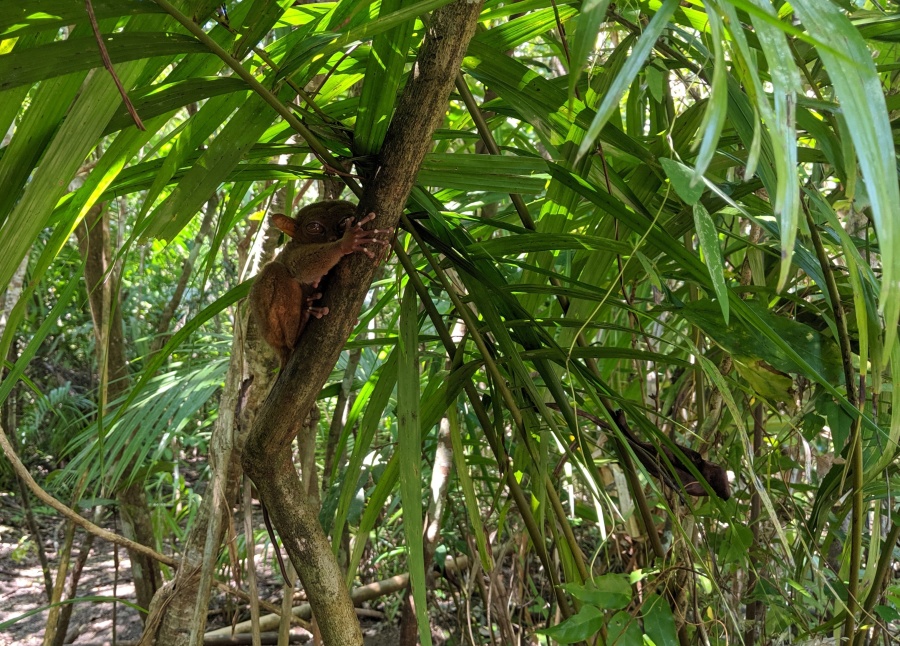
x=94 y=242
x=267 y=458
x=250 y=374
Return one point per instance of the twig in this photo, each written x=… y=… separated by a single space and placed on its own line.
x=72 y=515
x=107 y=63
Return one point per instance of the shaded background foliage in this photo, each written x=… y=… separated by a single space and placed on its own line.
x=686 y=211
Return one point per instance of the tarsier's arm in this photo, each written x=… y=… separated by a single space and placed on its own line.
x=282 y=297
x=309 y=262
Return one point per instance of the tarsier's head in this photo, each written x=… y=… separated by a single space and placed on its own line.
x=319 y=222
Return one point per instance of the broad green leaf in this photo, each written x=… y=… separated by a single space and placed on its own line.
x=818 y=351
x=607 y=592
x=576 y=628
x=18 y=18
x=79 y=54
x=409 y=446
x=505 y=174
x=624 y=630
x=859 y=90
x=659 y=623
x=712 y=255
x=11 y=101
x=509 y=35
x=164 y=98
x=681 y=177
x=737 y=541
x=638 y=57
x=765 y=380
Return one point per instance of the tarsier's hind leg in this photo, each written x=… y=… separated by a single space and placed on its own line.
x=276 y=301
x=291 y=315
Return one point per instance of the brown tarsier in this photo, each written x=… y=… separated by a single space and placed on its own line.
x=283 y=296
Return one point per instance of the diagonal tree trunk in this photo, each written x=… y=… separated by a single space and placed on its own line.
x=267 y=458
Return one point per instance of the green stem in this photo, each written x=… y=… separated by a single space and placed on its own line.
x=637 y=491
x=521 y=501
x=855 y=461
x=883 y=567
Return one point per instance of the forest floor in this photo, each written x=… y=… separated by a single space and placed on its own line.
x=22 y=587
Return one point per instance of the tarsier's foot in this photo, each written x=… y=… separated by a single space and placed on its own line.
x=356 y=238
x=318 y=312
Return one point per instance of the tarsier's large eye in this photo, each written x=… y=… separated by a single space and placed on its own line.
x=315 y=228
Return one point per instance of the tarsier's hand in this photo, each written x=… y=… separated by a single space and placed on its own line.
x=356 y=238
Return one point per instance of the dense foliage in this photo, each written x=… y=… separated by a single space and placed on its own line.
x=684 y=211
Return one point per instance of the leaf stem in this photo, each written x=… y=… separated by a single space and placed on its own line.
x=854 y=458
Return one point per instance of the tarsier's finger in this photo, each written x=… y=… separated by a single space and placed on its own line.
x=366 y=220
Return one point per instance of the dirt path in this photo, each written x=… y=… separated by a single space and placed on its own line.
x=22 y=587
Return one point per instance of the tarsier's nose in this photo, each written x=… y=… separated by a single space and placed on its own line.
x=332 y=238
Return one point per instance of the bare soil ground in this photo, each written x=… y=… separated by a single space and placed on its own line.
x=22 y=584
x=22 y=587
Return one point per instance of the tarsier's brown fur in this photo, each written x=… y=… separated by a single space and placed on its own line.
x=282 y=297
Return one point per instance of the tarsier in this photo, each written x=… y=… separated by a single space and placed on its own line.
x=283 y=296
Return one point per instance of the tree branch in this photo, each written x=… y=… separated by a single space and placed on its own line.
x=267 y=458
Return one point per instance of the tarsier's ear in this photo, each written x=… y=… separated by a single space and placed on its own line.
x=285 y=224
